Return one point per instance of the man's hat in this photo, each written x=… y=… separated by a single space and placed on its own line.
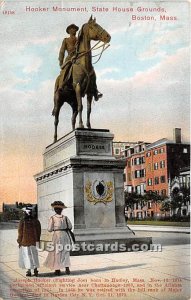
x=58 y=204
x=71 y=26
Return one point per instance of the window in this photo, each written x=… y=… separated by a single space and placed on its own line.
x=137 y=150
x=124 y=177
x=162 y=164
x=161 y=150
x=132 y=162
x=155 y=152
x=156 y=166
x=185 y=150
x=163 y=192
x=117 y=151
x=148 y=154
x=137 y=174
x=149 y=204
x=156 y=180
x=138 y=189
x=142 y=173
x=162 y=179
x=149 y=182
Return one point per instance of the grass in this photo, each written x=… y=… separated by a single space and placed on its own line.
x=159 y=223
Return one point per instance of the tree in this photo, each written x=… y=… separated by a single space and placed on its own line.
x=132 y=198
x=154 y=198
x=165 y=206
x=179 y=197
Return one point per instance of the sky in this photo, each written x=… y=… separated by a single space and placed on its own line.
x=144 y=76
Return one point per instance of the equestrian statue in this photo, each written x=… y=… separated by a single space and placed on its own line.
x=77 y=76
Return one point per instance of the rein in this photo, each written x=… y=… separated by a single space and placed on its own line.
x=103 y=46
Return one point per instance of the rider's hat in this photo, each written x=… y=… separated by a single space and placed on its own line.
x=72 y=26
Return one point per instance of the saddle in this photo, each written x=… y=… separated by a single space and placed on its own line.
x=64 y=80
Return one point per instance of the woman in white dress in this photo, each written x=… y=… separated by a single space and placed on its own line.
x=59 y=224
x=29 y=232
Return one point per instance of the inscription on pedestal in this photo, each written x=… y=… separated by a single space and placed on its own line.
x=92 y=148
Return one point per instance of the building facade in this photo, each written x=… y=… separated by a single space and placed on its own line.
x=151 y=168
x=135 y=172
x=120 y=148
x=164 y=159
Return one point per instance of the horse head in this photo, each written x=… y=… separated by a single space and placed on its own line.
x=96 y=32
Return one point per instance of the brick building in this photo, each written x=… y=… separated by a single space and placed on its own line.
x=120 y=148
x=164 y=159
x=151 y=167
x=135 y=173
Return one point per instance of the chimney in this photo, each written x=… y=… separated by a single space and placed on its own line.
x=177 y=135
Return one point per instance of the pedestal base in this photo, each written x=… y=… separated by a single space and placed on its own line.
x=105 y=241
x=81 y=171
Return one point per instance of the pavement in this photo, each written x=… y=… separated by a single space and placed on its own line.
x=144 y=275
x=176 y=229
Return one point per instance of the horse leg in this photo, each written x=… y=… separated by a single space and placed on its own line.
x=74 y=115
x=89 y=106
x=80 y=106
x=56 y=94
x=56 y=121
x=57 y=107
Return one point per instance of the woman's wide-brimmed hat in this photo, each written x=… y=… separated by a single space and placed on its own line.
x=58 y=204
x=72 y=26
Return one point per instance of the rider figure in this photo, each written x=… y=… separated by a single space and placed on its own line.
x=69 y=45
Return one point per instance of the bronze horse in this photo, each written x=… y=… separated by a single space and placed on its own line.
x=80 y=76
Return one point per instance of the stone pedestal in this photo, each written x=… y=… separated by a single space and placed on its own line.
x=80 y=170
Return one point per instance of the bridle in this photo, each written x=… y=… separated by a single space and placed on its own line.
x=104 y=46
